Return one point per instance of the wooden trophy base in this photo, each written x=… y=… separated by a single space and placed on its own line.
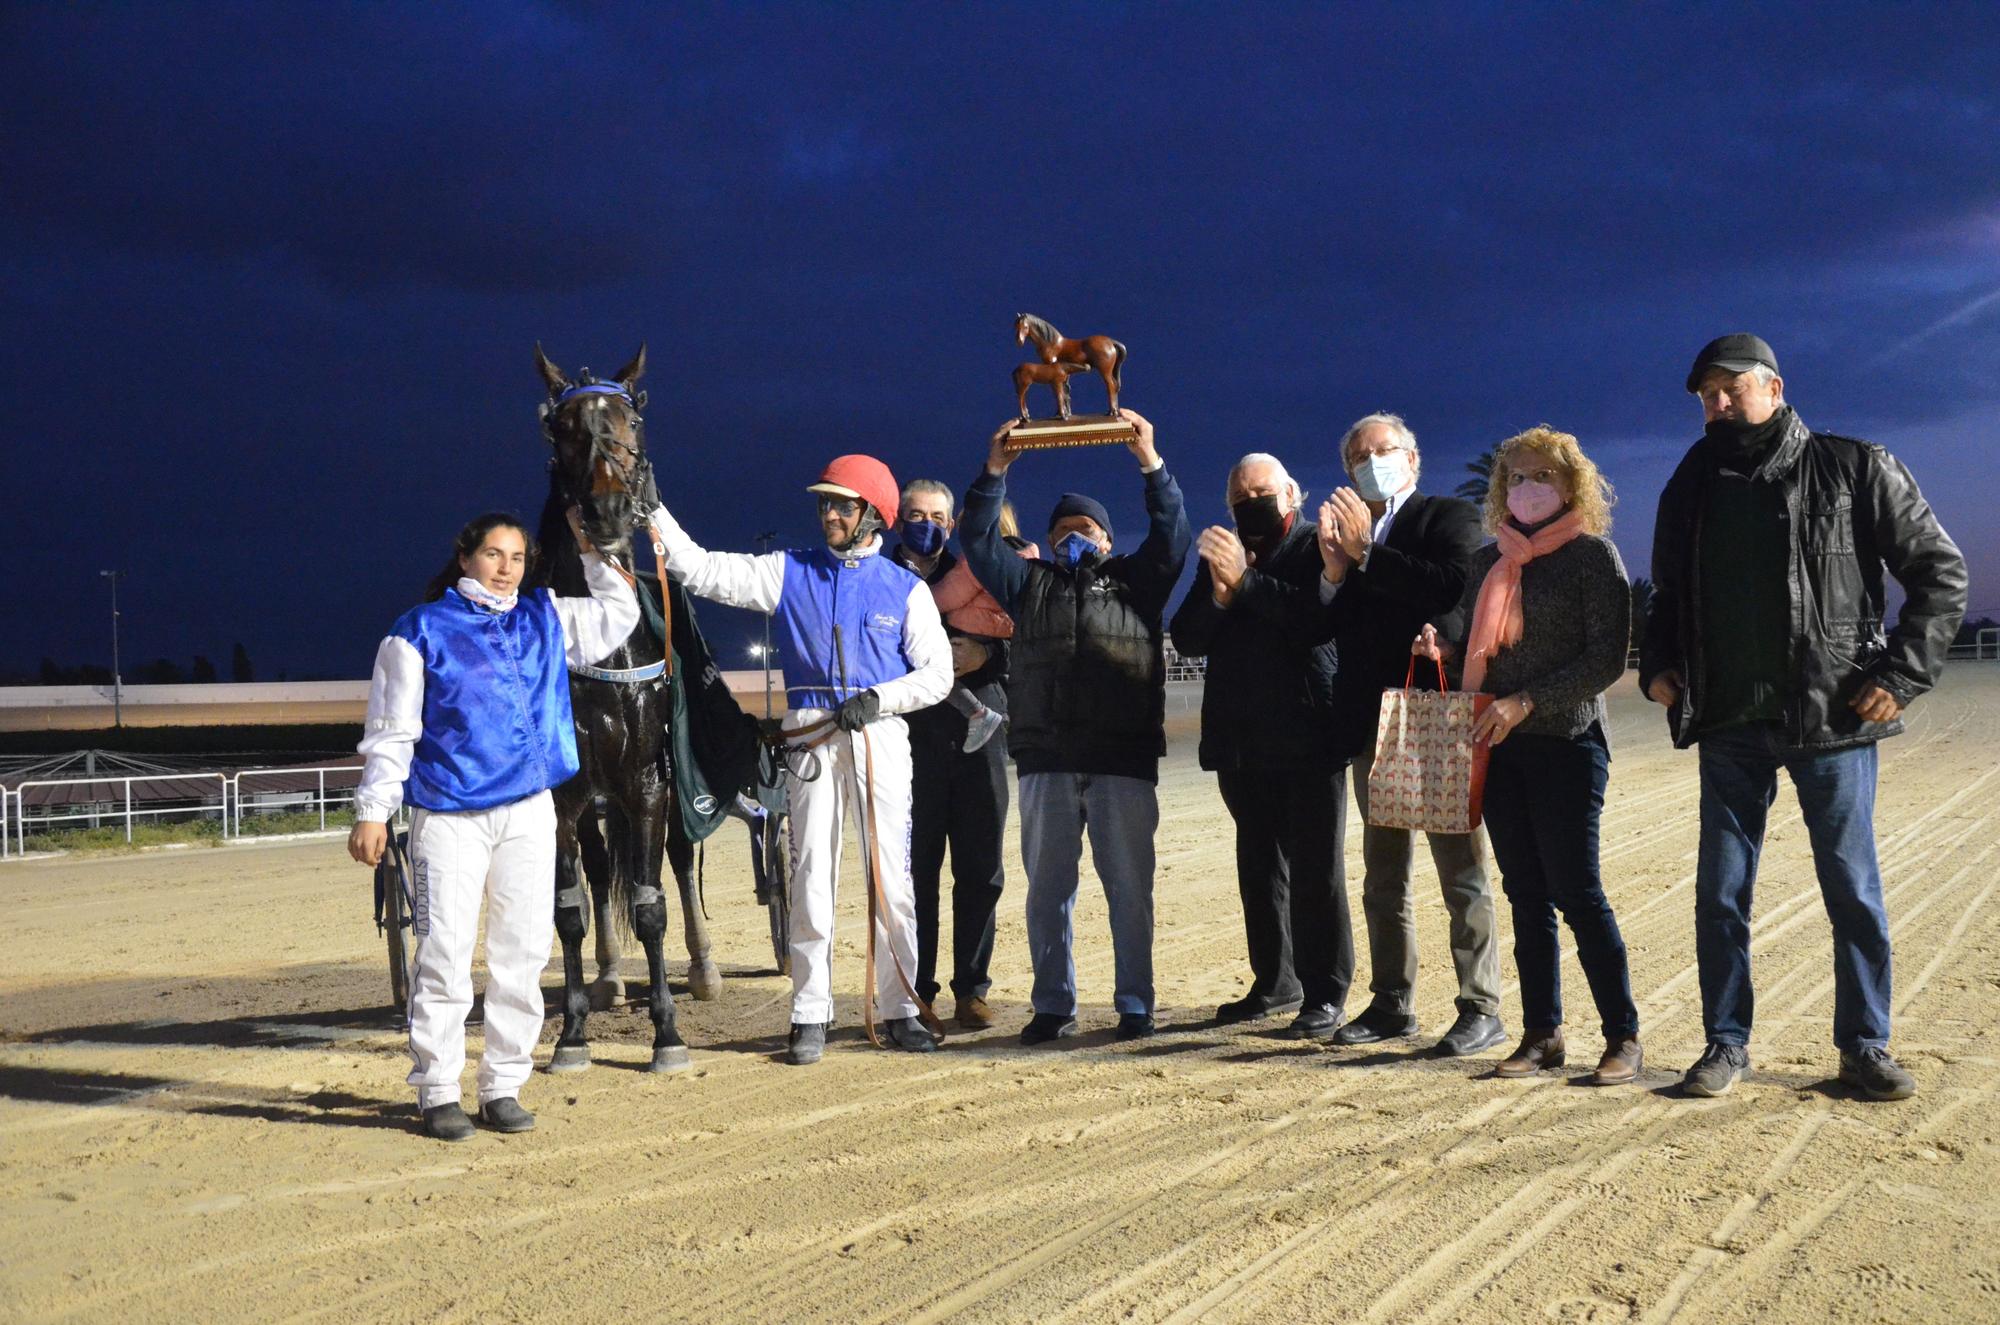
x=1076 y=430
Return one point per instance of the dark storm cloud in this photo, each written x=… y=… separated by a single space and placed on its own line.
x=301 y=253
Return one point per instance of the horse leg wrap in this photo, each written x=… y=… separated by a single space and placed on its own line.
x=570 y=897
x=648 y=896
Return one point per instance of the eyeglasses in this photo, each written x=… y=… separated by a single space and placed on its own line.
x=844 y=507
x=1515 y=477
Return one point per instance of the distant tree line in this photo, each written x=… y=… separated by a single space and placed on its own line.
x=160 y=671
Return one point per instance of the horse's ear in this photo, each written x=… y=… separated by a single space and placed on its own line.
x=633 y=371
x=552 y=376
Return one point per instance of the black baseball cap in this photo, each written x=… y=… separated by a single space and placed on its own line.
x=1739 y=353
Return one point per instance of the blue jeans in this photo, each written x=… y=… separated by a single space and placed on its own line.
x=1120 y=814
x=1739 y=780
x=1544 y=798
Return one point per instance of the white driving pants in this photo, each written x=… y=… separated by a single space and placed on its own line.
x=817 y=808
x=507 y=855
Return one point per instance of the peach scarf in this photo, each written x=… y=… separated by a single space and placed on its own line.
x=1496 y=620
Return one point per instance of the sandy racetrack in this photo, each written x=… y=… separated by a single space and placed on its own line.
x=202 y=1115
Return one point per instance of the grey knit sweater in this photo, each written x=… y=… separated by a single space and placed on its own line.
x=1576 y=615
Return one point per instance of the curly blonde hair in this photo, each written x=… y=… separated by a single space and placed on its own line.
x=1591 y=497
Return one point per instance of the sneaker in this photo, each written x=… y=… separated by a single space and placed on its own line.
x=1135 y=1026
x=908 y=1034
x=1376 y=1025
x=1316 y=1022
x=1046 y=1026
x=974 y=1014
x=447 y=1122
x=506 y=1115
x=808 y=1042
x=1472 y=1032
x=979 y=728
x=1255 y=1007
x=1876 y=1075
x=1719 y=1067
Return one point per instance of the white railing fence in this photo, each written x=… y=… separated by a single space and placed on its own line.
x=285 y=791
x=229 y=797
x=121 y=807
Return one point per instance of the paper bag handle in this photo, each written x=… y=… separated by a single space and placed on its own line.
x=1411 y=675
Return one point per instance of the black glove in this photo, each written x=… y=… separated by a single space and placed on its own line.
x=858 y=711
x=644 y=491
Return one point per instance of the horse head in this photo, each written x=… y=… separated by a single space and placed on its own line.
x=599 y=441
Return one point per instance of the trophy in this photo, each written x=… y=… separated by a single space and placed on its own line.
x=1057 y=359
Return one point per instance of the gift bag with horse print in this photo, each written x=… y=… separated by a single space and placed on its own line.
x=1429 y=773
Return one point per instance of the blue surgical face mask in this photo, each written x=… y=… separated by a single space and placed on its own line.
x=1380 y=477
x=1071 y=549
x=923 y=538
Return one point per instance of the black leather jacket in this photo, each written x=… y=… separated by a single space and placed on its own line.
x=1851 y=508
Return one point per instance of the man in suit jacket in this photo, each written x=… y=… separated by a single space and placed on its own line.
x=1394 y=560
x=1266 y=729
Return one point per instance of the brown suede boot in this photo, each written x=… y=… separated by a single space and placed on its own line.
x=1539 y=1049
x=1621 y=1062
x=973 y=1014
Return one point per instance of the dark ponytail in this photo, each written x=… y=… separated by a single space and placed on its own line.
x=470 y=539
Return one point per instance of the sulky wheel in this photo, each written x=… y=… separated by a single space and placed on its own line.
x=393 y=883
x=778 y=876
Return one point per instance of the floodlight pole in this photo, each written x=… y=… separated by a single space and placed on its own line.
x=117 y=677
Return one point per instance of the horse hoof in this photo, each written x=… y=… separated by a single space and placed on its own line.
x=670 y=1058
x=705 y=981
x=606 y=994
x=570 y=1058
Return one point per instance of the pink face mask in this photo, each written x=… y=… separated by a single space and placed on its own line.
x=1532 y=503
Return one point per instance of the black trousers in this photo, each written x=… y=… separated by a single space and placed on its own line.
x=1544 y=798
x=1291 y=874
x=958 y=801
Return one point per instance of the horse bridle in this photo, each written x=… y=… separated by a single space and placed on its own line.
x=632 y=468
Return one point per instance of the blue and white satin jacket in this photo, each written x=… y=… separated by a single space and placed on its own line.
x=890 y=632
x=469 y=707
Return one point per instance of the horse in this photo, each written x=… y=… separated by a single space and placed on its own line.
x=1054 y=375
x=598 y=463
x=1101 y=353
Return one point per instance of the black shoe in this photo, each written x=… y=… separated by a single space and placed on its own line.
x=1376 y=1025
x=447 y=1122
x=1719 y=1067
x=1472 y=1032
x=1046 y=1026
x=1135 y=1026
x=908 y=1034
x=808 y=1042
x=506 y=1115
x=1876 y=1075
x=1318 y=1022
x=1254 y=1007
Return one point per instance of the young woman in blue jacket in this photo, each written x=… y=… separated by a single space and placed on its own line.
x=469 y=723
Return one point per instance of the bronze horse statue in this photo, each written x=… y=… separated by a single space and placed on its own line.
x=621 y=705
x=1101 y=353
x=1054 y=375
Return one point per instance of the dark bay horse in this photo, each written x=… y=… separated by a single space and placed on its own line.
x=620 y=705
x=1100 y=353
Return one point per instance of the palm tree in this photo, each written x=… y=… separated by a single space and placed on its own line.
x=1474 y=489
x=1642 y=609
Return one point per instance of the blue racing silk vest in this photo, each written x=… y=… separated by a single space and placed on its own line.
x=867 y=597
x=497 y=723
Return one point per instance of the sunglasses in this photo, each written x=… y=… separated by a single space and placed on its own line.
x=844 y=507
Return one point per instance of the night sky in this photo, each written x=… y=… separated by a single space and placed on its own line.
x=272 y=275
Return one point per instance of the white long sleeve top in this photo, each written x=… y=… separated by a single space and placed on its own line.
x=592 y=629
x=757 y=581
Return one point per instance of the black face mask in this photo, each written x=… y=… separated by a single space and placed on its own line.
x=1741 y=445
x=1259 y=520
